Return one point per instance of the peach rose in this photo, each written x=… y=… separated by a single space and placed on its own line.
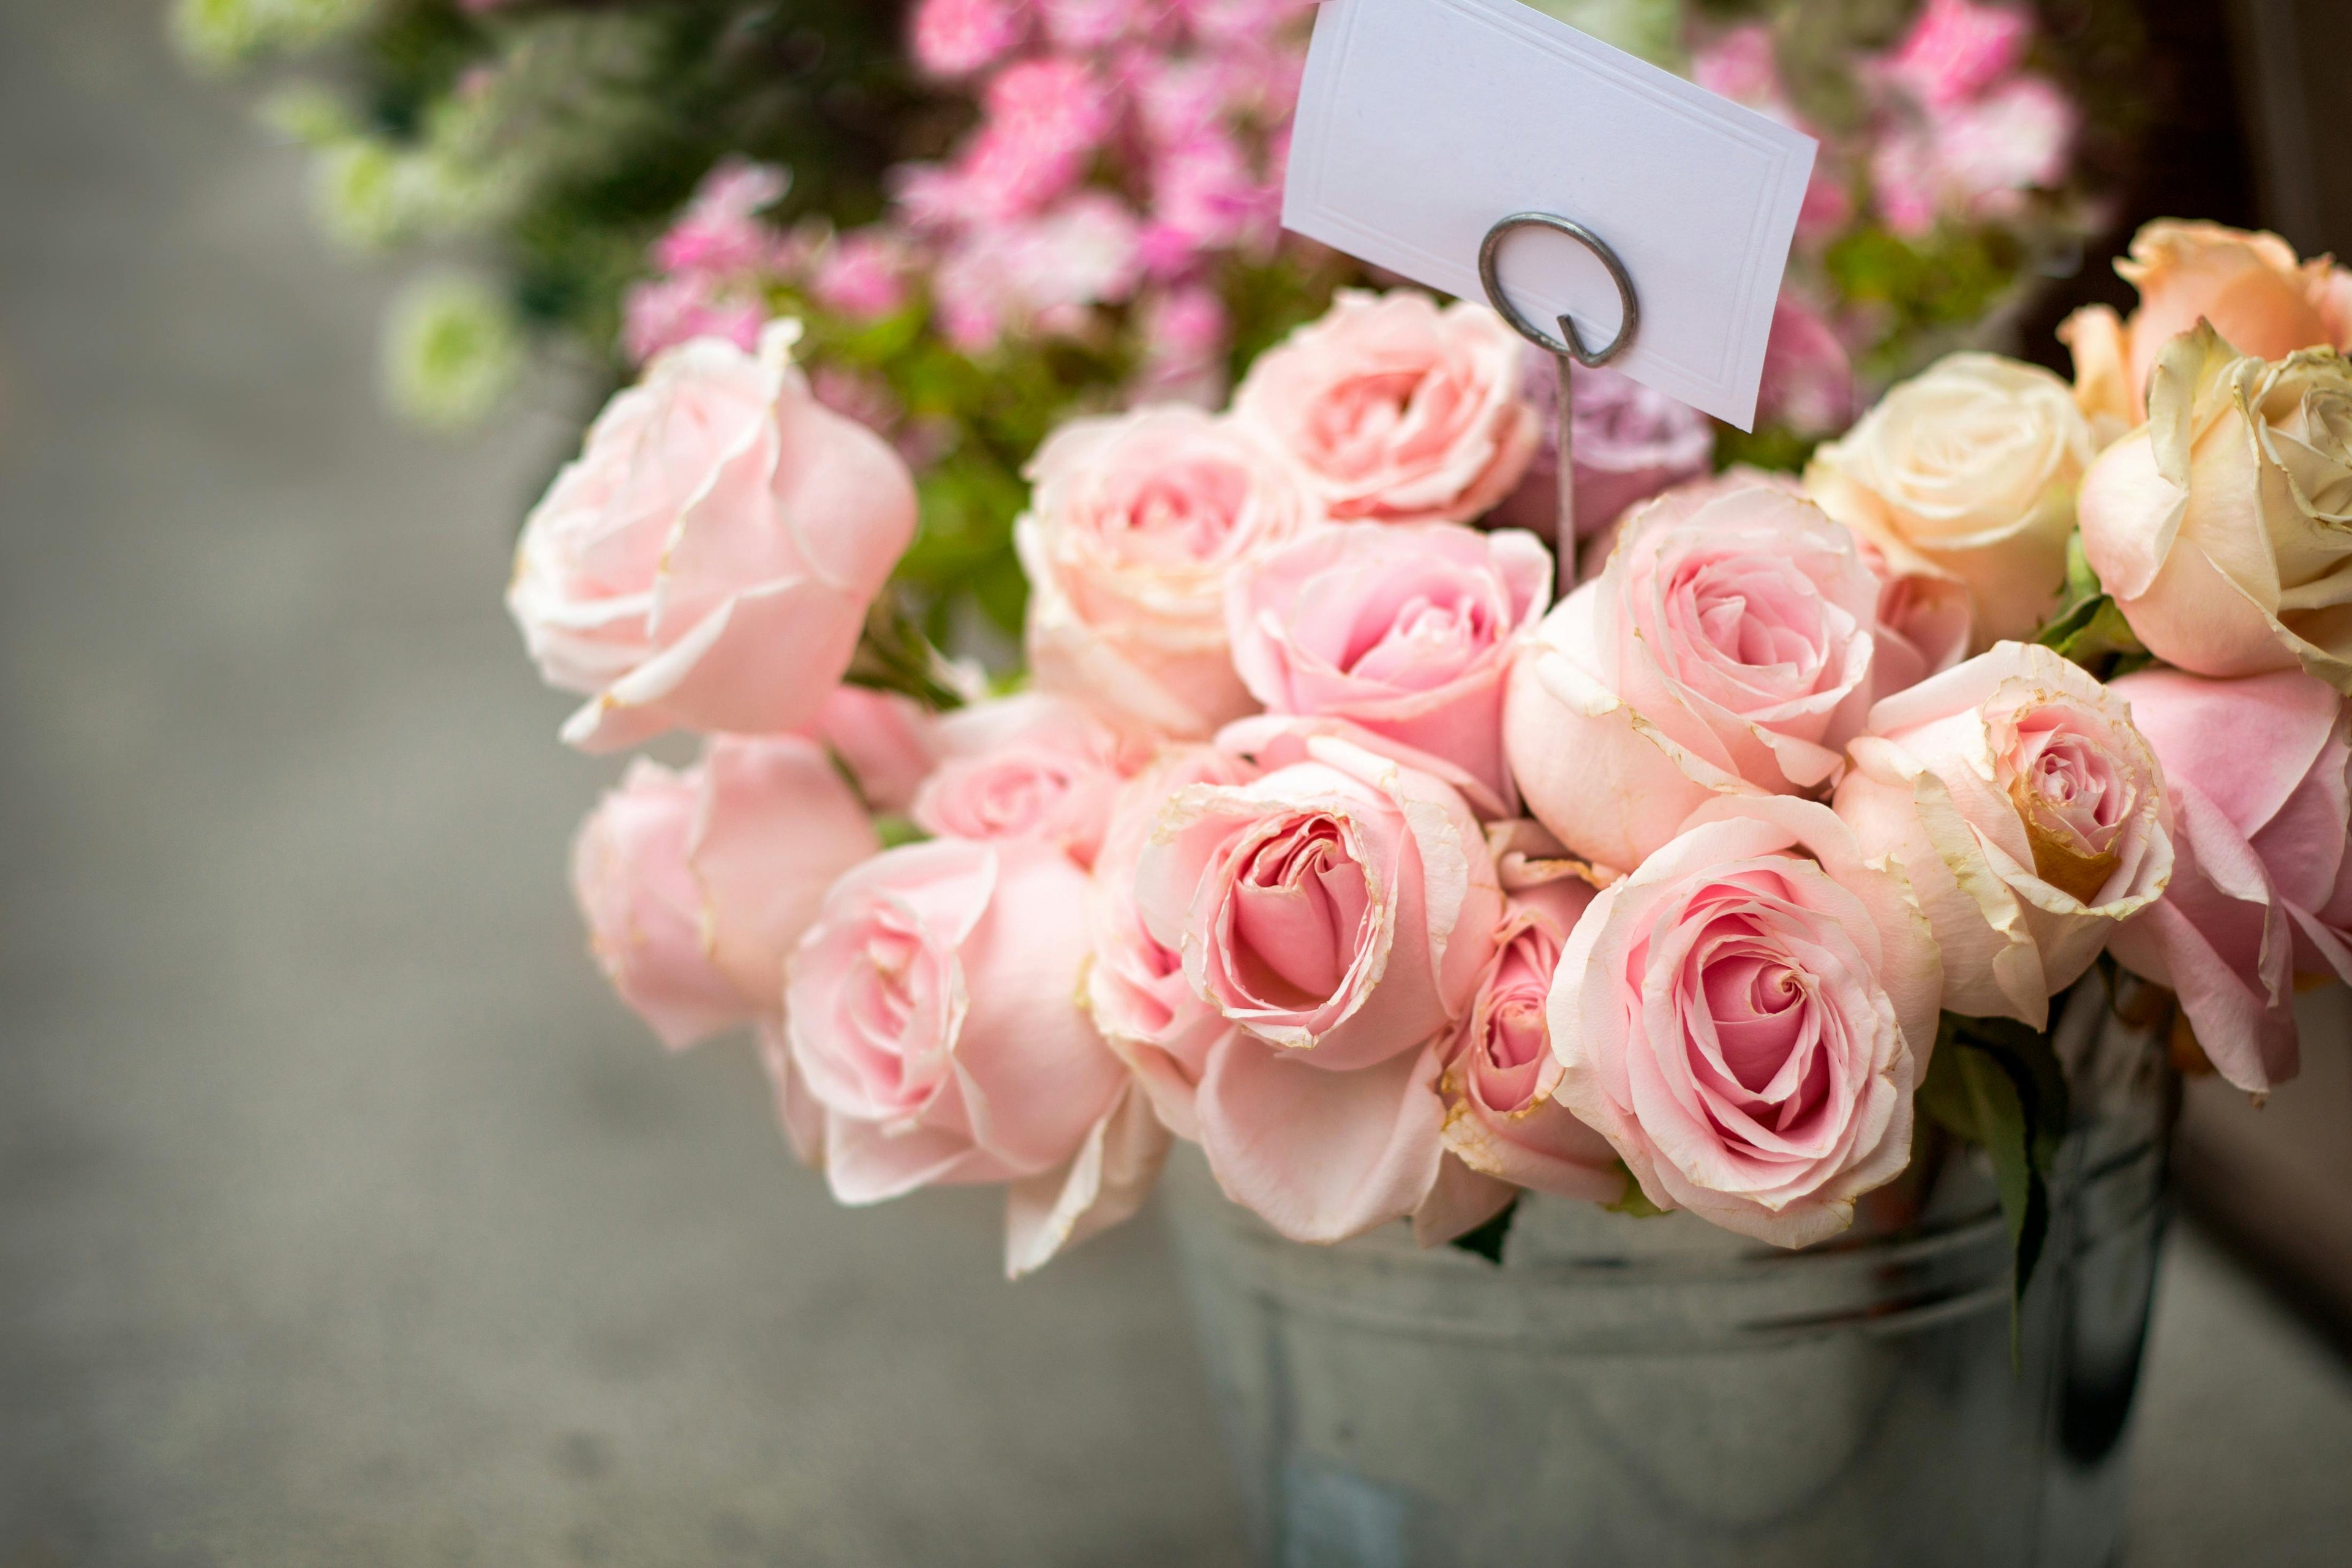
x=1745 y=1018
x=1339 y=911
x=1966 y=471
x=2024 y=810
x=1407 y=632
x=1394 y=410
x=1136 y=524
x=709 y=559
x=2258 y=776
x=2249 y=287
x=1028 y=767
x=2223 y=526
x=1136 y=986
x=1728 y=648
x=695 y=885
x=932 y=1015
x=1501 y=1119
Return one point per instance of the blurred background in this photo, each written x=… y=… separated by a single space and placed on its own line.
x=345 y=1217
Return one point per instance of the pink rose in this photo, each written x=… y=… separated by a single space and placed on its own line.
x=932 y=1017
x=709 y=559
x=1408 y=632
x=1032 y=767
x=1728 y=648
x=1628 y=443
x=1499 y=1072
x=695 y=885
x=1396 y=411
x=1340 y=910
x=2258 y=775
x=2024 y=810
x=1136 y=524
x=887 y=741
x=1745 y=1018
x=1136 y=986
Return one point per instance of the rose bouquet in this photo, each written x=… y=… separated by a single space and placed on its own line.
x=1400 y=865
x=993 y=214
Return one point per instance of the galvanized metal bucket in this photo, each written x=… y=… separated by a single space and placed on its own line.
x=1658 y=1392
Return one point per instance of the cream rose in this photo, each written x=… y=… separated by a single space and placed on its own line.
x=2024 y=809
x=2223 y=527
x=1136 y=523
x=1967 y=470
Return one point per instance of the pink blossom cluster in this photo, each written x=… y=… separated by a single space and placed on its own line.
x=1333 y=838
x=712 y=267
x=1968 y=132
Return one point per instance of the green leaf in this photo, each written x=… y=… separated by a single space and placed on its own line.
x=1487 y=1241
x=1998 y=1084
x=1636 y=1202
x=2087 y=628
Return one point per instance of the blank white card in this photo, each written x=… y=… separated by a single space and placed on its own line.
x=1423 y=121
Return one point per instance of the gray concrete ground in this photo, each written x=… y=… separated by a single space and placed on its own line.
x=343 y=1219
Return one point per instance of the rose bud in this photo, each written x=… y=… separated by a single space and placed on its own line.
x=933 y=1019
x=1339 y=911
x=1406 y=632
x=1136 y=524
x=1136 y=986
x=707 y=559
x=1025 y=767
x=2248 y=286
x=2222 y=526
x=1967 y=470
x=1500 y=1070
x=2258 y=776
x=695 y=885
x=1727 y=648
x=2024 y=810
x=1746 y=1017
x=1394 y=410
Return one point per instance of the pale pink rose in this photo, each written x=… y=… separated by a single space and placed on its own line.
x=695 y=885
x=1745 y=1018
x=2223 y=526
x=1034 y=767
x=1407 y=632
x=709 y=559
x=1339 y=911
x=1728 y=648
x=2258 y=776
x=1136 y=986
x=888 y=742
x=1397 y=411
x=1955 y=50
x=862 y=275
x=933 y=1019
x=2262 y=300
x=956 y=38
x=1501 y=1119
x=1628 y=442
x=1136 y=523
x=2025 y=811
x=1808 y=383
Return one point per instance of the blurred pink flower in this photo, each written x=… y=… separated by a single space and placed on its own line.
x=662 y=312
x=1904 y=183
x=1630 y=443
x=721 y=230
x=1045 y=274
x=1083 y=26
x=1957 y=49
x=1808 y=383
x=1738 y=64
x=2018 y=137
x=1043 y=118
x=1204 y=196
x=1185 y=332
x=858 y=394
x=956 y=38
x=861 y=275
